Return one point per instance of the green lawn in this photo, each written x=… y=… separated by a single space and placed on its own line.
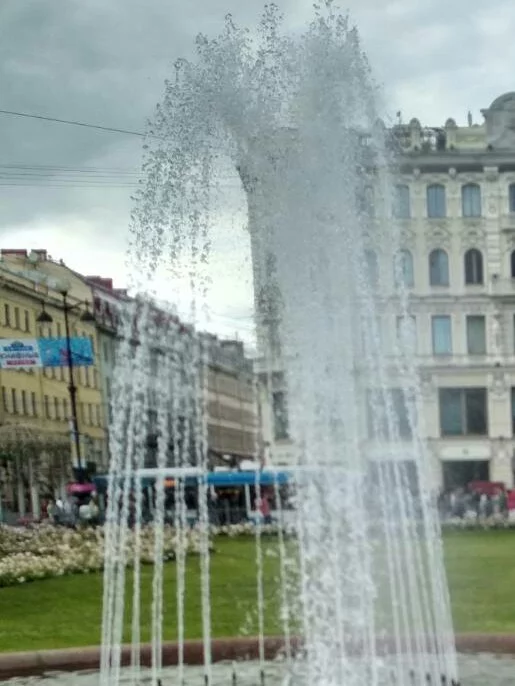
x=481 y=572
x=66 y=612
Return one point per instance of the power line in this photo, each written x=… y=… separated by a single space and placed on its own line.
x=64 y=185
x=45 y=173
x=51 y=168
x=72 y=122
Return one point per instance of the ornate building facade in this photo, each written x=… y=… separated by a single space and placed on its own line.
x=454 y=204
x=36 y=446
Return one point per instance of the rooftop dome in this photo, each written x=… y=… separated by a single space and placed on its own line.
x=504 y=102
x=500 y=123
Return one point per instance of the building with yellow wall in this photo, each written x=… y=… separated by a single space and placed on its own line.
x=36 y=447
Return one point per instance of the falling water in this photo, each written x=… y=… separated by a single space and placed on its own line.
x=180 y=449
x=284 y=581
x=260 y=596
x=296 y=115
x=203 y=489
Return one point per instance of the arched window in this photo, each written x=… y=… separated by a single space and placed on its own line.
x=401 y=202
x=403 y=268
x=436 y=205
x=513 y=264
x=471 y=200
x=473 y=266
x=438 y=268
x=511 y=197
x=371 y=267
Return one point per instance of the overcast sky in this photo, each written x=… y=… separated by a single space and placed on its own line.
x=104 y=61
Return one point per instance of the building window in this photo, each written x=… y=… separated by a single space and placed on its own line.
x=436 y=205
x=34 y=404
x=513 y=411
x=476 y=335
x=4 y=399
x=441 y=328
x=26 y=316
x=46 y=402
x=86 y=376
x=65 y=409
x=372 y=268
x=471 y=200
x=512 y=264
x=58 y=330
x=90 y=414
x=463 y=411
x=99 y=416
x=407 y=333
x=388 y=415
x=438 y=268
x=403 y=269
x=16 y=317
x=401 y=202
x=280 y=415
x=14 y=401
x=473 y=267
x=57 y=408
x=511 y=194
x=7 y=315
x=24 y=408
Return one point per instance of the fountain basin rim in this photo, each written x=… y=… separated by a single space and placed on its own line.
x=39 y=662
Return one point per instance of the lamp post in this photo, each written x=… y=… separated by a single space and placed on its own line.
x=86 y=316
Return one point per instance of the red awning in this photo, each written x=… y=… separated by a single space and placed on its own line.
x=80 y=489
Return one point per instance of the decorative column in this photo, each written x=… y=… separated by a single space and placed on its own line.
x=500 y=427
x=34 y=488
x=62 y=478
x=491 y=226
x=429 y=416
x=20 y=487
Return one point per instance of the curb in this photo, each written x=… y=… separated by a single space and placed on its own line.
x=36 y=663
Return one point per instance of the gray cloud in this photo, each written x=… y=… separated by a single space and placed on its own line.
x=105 y=62
x=99 y=62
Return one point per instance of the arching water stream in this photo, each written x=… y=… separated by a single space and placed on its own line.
x=296 y=116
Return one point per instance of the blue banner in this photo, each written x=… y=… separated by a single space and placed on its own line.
x=53 y=352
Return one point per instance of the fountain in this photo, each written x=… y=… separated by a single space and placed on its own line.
x=296 y=116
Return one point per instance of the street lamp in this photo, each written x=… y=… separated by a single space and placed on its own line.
x=86 y=316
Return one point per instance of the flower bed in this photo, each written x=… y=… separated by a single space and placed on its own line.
x=473 y=523
x=41 y=551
